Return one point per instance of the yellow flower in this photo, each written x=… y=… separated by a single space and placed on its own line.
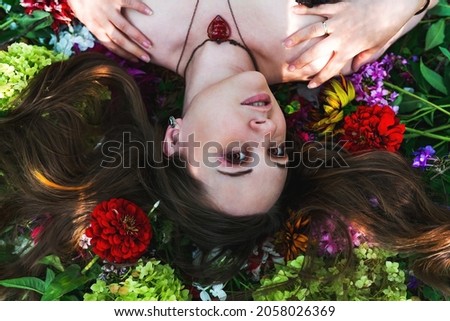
x=292 y=239
x=336 y=95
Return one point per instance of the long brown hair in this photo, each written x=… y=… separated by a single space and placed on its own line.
x=52 y=152
x=52 y=149
x=380 y=193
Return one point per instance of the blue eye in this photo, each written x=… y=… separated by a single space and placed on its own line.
x=279 y=151
x=236 y=157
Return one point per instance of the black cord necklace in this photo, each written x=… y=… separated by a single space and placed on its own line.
x=232 y=42
x=242 y=45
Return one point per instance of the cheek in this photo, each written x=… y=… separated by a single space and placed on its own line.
x=280 y=121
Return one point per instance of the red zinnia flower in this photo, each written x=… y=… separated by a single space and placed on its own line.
x=374 y=127
x=59 y=9
x=120 y=231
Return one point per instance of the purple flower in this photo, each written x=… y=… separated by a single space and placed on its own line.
x=422 y=156
x=328 y=245
x=369 y=81
x=413 y=283
x=356 y=236
x=374 y=202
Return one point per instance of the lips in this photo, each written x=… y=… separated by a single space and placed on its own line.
x=259 y=101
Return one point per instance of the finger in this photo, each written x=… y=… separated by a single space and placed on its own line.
x=366 y=57
x=119 y=39
x=119 y=51
x=332 y=69
x=132 y=32
x=312 y=31
x=325 y=10
x=321 y=49
x=308 y=71
x=138 y=6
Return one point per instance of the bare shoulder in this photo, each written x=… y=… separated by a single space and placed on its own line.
x=166 y=27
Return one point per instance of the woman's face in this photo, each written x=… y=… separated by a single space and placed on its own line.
x=232 y=136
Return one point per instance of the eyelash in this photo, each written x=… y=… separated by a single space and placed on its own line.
x=281 y=148
x=242 y=156
x=230 y=157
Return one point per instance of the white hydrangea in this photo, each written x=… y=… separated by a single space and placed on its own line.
x=66 y=40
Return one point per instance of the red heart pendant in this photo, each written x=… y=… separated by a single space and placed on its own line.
x=218 y=29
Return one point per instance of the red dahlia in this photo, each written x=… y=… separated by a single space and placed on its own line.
x=59 y=9
x=375 y=127
x=120 y=231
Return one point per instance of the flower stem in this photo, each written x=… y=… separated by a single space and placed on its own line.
x=397 y=88
x=417 y=115
x=6 y=24
x=90 y=264
x=432 y=130
x=426 y=134
x=439 y=145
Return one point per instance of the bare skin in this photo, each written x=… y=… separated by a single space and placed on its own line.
x=278 y=23
x=357 y=34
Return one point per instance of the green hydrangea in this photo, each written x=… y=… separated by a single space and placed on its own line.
x=18 y=64
x=148 y=281
x=375 y=277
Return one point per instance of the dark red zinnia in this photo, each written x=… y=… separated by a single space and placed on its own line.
x=120 y=231
x=375 y=127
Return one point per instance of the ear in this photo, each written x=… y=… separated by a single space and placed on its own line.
x=171 y=141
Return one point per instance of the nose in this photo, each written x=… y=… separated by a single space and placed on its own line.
x=264 y=126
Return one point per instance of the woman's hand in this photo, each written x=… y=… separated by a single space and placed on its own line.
x=357 y=31
x=105 y=20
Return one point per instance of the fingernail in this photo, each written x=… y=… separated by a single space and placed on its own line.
x=312 y=85
x=146 y=44
x=291 y=68
x=148 y=11
x=145 y=58
x=288 y=43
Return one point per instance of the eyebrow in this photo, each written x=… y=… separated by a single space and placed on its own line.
x=236 y=174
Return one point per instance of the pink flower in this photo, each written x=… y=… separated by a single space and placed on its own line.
x=36 y=233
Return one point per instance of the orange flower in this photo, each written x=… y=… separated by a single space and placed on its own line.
x=292 y=239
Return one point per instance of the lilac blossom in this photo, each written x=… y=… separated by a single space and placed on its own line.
x=369 y=81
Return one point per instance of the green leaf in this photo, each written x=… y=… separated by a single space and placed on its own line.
x=435 y=35
x=49 y=277
x=429 y=120
x=409 y=104
x=445 y=52
x=431 y=294
x=25 y=283
x=6 y=253
x=54 y=261
x=442 y=10
x=433 y=78
x=26 y=25
x=65 y=282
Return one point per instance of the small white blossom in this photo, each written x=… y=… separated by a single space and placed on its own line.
x=66 y=40
x=84 y=242
x=215 y=290
x=218 y=292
